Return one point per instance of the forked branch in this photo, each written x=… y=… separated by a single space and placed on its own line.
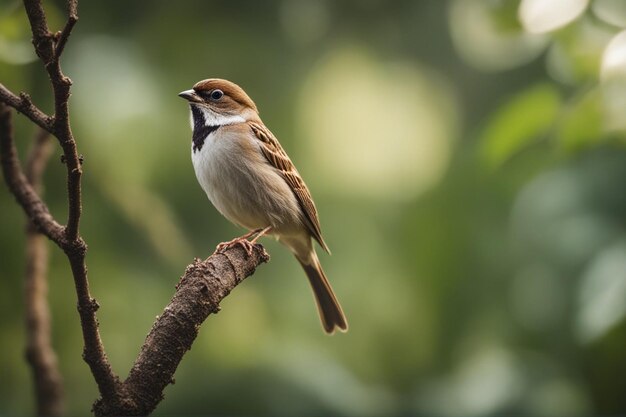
x=48 y=48
x=200 y=290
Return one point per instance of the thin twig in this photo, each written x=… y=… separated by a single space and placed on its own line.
x=39 y=352
x=24 y=105
x=73 y=245
x=38 y=213
x=67 y=238
x=198 y=293
x=72 y=8
x=67 y=30
x=44 y=42
x=35 y=208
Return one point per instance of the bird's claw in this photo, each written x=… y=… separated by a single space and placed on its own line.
x=243 y=241
x=240 y=241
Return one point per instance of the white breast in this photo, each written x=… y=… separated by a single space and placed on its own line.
x=211 y=165
x=240 y=183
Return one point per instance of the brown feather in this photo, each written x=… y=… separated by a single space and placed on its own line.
x=231 y=91
x=328 y=307
x=278 y=158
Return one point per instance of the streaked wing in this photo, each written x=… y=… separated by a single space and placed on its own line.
x=278 y=158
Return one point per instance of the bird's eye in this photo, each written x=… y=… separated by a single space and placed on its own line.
x=216 y=94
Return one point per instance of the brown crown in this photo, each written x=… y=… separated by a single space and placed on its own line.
x=230 y=89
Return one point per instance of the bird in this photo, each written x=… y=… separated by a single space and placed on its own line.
x=248 y=177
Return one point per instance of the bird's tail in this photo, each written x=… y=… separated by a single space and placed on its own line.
x=328 y=307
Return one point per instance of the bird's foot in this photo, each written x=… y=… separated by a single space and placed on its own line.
x=243 y=241
x=238 y=241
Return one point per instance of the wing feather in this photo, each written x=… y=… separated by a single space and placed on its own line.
x=277 y=157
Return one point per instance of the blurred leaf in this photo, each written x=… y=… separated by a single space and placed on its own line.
x=16 y=52
x=504 y=15
x=419 y=128
x=614 y=105
x=486 y=38
x=525 y=118
x=602 y=295
x=15 y=46
x=581 y=123
x=541 y=16
x=612 y=12
x=576 y=53
x=12 y=23
x=450 y=272
x=614 y=58
x=15 y=34
x=613 y=82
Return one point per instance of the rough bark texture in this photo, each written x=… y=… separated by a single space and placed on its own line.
x=35 y=209
x=49 y=47
x=198 y=294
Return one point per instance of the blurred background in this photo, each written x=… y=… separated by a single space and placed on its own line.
x=468 y=161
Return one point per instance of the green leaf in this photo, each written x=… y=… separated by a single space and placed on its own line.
x=582 y=122
x=526 y=118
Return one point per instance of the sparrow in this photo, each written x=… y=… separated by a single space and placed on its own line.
x=248 y=177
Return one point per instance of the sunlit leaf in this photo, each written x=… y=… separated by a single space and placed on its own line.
x=603 y=294
x=486 y=39
x=610 y=11
x=525 y=118
x=581 y=123
x=364 y=145
x=613 y=76
x=614 y=58
x=503 y=14
x=541 y=16
x=574 y=57
x=15 y=45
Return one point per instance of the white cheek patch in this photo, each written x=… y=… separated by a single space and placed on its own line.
x=208 y=117
x=215 y=119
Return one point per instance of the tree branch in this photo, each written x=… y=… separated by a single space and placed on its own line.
x=39 y=352
x=38 y=213
x=67 y=30
x=35 y=209
x=198 y=294
x=46 y=44
x=24 y=105
x=200 y=290
x=49 y=48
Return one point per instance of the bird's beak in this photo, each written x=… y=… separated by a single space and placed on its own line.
x=190 y=96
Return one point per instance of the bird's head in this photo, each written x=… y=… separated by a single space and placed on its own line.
x=219 y=102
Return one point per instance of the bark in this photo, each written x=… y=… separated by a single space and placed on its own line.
x=198 y=294
x=40 y=354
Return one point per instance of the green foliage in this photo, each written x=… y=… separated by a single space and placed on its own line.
x=504 y=16
x=469 y=291
x=527 y=117
x=580 y=125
